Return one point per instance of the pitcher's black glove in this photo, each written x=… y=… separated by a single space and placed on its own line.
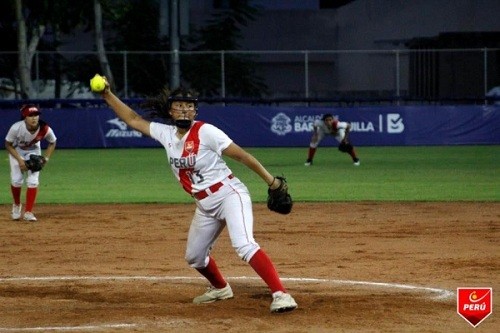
x=35 y=163
x=279 y=200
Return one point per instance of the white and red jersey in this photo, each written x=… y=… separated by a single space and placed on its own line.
x=337 y=129
x=196 y=159
x=29 y=143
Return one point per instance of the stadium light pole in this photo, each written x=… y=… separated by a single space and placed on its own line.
x=174 y=44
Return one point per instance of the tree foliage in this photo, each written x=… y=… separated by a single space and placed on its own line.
x=38 y=26
x=136 y=28
x=223 y=32
x=8 y=62
x=131 y=25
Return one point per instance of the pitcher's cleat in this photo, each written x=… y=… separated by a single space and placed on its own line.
x=29 y=216
x=213 y=294
x=282 y=302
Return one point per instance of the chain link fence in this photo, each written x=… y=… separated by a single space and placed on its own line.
x=298 y=75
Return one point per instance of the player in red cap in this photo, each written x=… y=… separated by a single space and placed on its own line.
x=22 y=140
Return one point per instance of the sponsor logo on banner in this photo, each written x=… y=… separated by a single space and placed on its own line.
x=304 y=123
x=474 y=304
x=280 y=124
x=121 y=130
x=361 y=126
x=395 y=123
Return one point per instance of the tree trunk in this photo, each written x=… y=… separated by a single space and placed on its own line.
x=99 y=41
x=26 y=51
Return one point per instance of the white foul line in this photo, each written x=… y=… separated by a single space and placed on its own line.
x=68 y=328
x=439 y=294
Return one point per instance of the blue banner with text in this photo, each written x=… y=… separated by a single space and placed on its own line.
x=266 y=126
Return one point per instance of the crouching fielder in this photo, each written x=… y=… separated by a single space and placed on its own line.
x=329 y=125
x=22 y=140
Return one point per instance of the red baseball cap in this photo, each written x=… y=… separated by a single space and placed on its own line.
x=29 y=110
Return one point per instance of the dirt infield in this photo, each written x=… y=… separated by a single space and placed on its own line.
x=352 y=267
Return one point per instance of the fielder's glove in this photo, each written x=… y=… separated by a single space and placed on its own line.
x=35 y=163
x=345 y=147
x=279 y=200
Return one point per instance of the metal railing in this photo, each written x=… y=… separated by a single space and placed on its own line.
x=295 y=75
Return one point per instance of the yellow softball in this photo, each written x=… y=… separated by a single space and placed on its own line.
x=97 y=84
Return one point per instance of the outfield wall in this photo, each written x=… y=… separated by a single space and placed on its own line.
x=267 y=126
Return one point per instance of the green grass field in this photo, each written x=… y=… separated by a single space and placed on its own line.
x=438 y=173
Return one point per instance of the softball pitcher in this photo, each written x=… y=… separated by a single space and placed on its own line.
x=22 y=140
x=329 y=125
x=194 y=151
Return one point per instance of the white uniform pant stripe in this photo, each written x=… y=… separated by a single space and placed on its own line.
x=230 y=206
